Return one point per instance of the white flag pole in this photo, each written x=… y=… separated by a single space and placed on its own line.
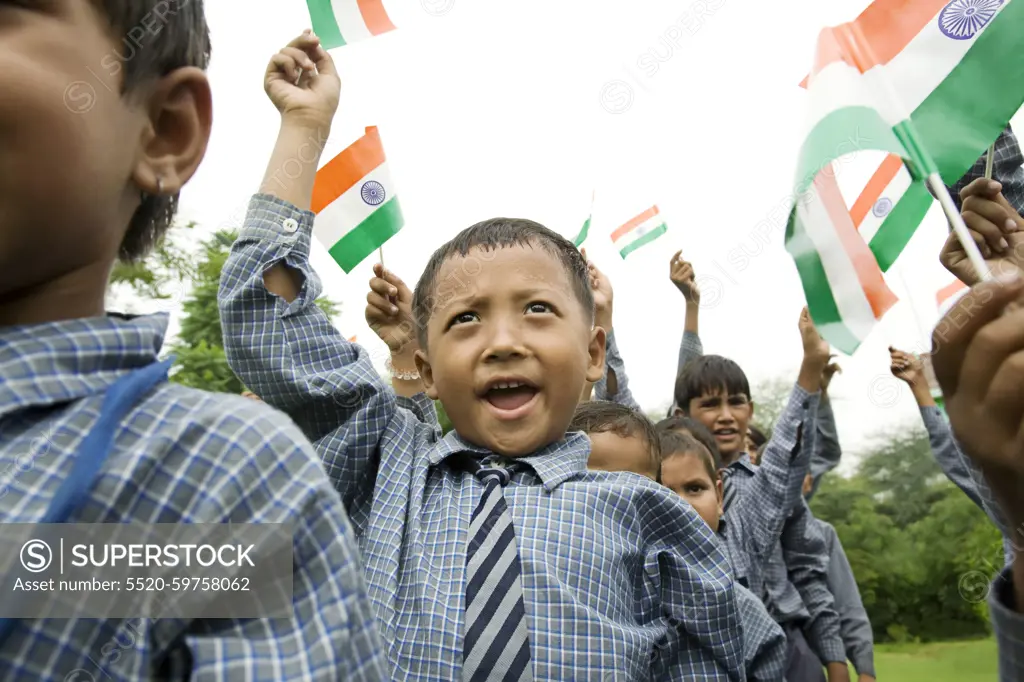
x=989 y=161
x=861 y=47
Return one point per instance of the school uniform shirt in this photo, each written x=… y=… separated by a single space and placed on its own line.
x=1008 y=626
x=796 y=571
x=1007 y=169
x=621 y=578
x=764 y=642
x=962 y=472
x=854 y=626
x=179 y=456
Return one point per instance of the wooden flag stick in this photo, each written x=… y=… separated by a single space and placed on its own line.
x=380 y=254
x=989 y=159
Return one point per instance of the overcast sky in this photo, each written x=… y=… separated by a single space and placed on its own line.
x=522 y=107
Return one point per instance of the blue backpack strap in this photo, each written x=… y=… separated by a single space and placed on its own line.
x=94 y=449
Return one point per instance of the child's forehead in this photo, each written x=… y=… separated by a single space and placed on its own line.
x=691 y=461
x=719 y=392
x=485 y=272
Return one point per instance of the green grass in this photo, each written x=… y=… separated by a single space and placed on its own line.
x=973 y=661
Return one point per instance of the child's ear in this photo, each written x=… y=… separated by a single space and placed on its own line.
x=426 y=374
x=595 y=368
x=751 y=409
x=679 y=412
x=179 y=116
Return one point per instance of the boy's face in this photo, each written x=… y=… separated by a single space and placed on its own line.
x=686 y=475
x=726 y=416
x=71 y=148
x=509 y=348
x=611 y=452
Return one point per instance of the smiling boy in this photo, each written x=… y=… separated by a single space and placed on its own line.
x=491 y=553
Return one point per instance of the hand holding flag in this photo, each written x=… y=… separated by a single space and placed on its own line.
x=389 y=311
x=303 y=84
x=996 y=228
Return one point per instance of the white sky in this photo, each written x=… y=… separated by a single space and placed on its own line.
x=502 y=108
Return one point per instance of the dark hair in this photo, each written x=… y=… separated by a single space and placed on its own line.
x=757 y=436
x=157 y=37
x=708 y=374
x=675 y=444
x=493 y=234
x=602 y=416
x=696 y=430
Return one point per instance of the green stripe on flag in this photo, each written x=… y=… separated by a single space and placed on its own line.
x=643 y=241
x=368 y=236
x=841 y=132
x=899 y=226
x=971 y=107
x=820 y=302
x=325 y=25
x=582 y=236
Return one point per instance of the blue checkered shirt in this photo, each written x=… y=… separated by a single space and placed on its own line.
x=796 y=571
x=764 y=642
x=1008 y=626
x=622 y=580
x=963 y=473
x=753 y=523
x=180 y=456
x=1007 y=168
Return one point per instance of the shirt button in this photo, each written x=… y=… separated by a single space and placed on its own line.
x=807 y=403
x=290 y=225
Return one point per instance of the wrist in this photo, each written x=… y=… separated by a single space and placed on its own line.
x=922 y=394
x=402 y=367
x=810 y=373
x=316 y=128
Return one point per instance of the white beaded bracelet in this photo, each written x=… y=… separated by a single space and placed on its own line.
x=400 y=374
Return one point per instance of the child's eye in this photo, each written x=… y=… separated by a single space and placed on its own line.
x=695 y=488
x=539 y=307
x=463 y=318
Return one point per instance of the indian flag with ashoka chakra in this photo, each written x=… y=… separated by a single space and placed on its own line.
x=355 y=202
x=957 y=68
x=341 y=22
x=639 y=231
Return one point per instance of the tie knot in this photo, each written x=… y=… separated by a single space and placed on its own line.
x=494 y=474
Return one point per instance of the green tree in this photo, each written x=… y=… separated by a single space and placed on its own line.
x=200 y=361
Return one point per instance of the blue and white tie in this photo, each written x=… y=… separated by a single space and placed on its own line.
x=497 y=641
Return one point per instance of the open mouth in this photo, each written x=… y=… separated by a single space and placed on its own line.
x=510 y=396
x=726 y=434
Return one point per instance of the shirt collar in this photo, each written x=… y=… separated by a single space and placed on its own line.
x=744 y=463
x=554 y=463
x=57 y=362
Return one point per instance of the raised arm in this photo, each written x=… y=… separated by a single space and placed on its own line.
x=827 y=451
x=276 y=339
x=854 y=626
x=614 y=385
x=682 y=275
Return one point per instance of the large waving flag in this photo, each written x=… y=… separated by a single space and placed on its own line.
x=943 y=60
x=950 y=62
x=340 y=22
x=639 y=231
x=355 y=202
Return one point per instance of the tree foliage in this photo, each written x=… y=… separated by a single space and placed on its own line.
x=198 y=348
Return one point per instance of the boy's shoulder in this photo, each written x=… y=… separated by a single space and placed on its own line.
x=209 y=438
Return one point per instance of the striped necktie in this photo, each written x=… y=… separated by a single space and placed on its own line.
x=729 y=490
x=497 y=644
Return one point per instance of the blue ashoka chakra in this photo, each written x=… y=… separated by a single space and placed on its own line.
x=962 y=19
x=882 y=207
x=373 y=193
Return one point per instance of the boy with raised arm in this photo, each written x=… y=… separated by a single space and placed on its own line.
x=491 y=554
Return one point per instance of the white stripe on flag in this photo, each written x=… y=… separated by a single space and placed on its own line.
x=854 y=307
x=885 y=203
x=346 y=212
x=350 y=21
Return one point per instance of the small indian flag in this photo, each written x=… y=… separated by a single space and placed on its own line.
x=946 y=60
x=639 y=231
x=845 y=290
x=340 y=22
x=355 y=202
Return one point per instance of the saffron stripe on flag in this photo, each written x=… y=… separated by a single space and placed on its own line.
x=633 y=222
x=345 y=170
x=873 y=190
x=375 y=16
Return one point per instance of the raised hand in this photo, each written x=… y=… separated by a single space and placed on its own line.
x=303 y=84
x=997 y=230
x=389 y=311
x=682 y=275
